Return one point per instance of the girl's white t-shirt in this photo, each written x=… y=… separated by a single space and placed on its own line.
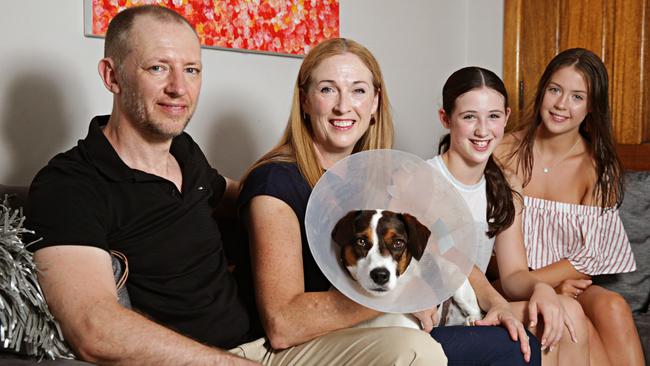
x=475 y=197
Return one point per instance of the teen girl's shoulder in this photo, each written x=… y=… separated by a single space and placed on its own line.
x=587 y=177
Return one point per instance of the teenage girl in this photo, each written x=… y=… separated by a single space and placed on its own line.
x=475 y=110
x=573 y=185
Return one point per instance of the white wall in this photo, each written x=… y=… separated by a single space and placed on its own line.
x=50 y=89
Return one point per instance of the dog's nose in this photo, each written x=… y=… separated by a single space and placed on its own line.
x=380 y=275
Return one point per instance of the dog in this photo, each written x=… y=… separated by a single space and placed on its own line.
x=377 y=247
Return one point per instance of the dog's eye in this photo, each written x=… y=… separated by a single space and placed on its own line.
x=398 y=244
x=362 y=242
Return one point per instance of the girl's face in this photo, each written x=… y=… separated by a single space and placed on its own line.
x=565 y=103
x=476 y=124
x=340 y=102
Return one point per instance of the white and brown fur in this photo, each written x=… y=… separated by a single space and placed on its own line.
x=377 y=246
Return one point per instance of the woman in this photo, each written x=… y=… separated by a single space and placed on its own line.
x=565 y=155
x=339 y=107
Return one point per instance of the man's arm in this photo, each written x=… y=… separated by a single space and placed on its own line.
x=80 y=291
x=227 y=206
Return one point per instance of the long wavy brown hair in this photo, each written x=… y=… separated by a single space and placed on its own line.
x=297 y=142
x=595 y=129
x=500 y=205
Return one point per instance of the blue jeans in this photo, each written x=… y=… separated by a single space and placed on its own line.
x=483 y=346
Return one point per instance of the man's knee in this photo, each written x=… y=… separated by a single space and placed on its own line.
x=411 y=347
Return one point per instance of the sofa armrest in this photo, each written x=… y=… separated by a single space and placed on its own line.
x=17 y=195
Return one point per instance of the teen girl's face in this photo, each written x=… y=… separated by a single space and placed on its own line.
x=340 y=102
x=476 y=124
x=565 y=103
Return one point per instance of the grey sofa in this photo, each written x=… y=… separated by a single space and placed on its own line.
x=635 y=287
x=17 y=196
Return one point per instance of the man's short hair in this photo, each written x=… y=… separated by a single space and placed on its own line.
x=117 y=45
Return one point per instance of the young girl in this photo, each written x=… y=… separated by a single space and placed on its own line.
x=475 y=111
x=566 y=157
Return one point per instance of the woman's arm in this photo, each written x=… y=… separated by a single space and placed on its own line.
x=290 y=315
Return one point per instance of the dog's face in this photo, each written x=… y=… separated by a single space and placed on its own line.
x=377 y=246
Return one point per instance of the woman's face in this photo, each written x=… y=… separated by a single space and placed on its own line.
x=476 y=124
x=340 y=101
x=565 y=103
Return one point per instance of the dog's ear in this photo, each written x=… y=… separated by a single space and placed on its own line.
x=343 y=229
x=418 y=235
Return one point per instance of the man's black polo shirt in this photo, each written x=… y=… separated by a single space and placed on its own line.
x=177 y=269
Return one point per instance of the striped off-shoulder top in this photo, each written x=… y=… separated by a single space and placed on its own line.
x=593 y=240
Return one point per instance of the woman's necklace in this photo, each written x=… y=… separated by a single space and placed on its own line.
x=547 y=169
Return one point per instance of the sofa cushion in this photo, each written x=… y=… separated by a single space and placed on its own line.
x=10 y=359
x=642 y=321
x=635 y=214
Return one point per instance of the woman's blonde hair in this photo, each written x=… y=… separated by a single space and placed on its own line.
x=297 y=142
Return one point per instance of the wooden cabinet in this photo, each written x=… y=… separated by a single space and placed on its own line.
x=616 y=30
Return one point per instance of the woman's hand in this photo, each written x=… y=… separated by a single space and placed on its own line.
x=545 y=302
x=501 y=314
x=428 y=318
x=572 y=288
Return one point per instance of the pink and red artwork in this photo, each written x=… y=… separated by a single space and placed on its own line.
x=289 y=27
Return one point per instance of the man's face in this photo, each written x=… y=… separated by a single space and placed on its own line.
x=160 y=77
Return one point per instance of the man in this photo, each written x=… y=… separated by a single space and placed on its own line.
x=139 y=185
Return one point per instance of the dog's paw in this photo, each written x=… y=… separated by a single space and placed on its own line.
x=471 y=320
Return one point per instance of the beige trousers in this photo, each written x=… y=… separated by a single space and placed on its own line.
x=353 y=346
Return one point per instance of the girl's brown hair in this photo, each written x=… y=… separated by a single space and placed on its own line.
x=500 y=205
x=595 y=129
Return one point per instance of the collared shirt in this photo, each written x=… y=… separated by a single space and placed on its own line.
x=177 y=268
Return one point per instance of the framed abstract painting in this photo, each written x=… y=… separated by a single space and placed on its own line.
x=279 y=27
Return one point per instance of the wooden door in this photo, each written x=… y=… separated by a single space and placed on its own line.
x=616 y=30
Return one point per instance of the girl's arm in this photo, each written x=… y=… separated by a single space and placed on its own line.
x=519 y=283
x=290 y=315
x=498 y=310
x=486 y=295
x=556 y=273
